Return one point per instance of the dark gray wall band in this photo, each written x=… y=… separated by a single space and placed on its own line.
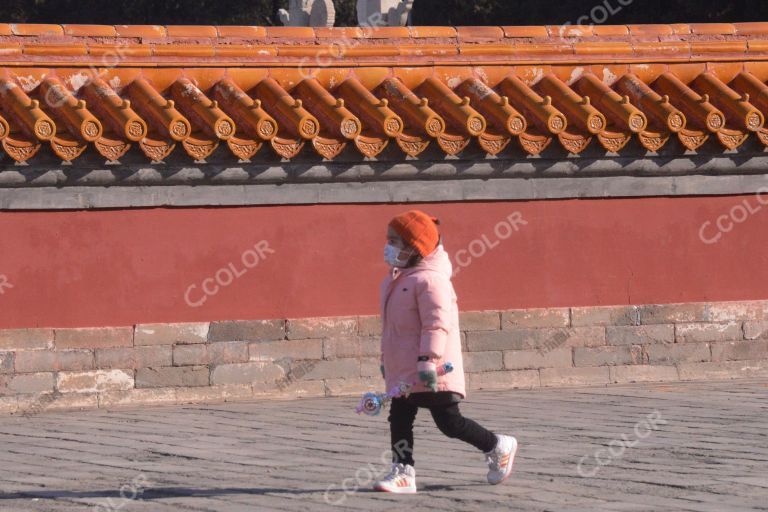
x=87 y=197
x=221 y=171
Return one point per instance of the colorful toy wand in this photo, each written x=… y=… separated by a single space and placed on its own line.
x=373 y=403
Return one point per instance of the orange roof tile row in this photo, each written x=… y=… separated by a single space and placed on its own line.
x=326 y=107
x=451 y=113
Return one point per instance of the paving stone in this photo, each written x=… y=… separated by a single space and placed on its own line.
x=692 y=446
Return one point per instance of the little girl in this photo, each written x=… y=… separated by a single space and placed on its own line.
x=421 y=333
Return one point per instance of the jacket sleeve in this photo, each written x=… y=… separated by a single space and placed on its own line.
x=435 y=300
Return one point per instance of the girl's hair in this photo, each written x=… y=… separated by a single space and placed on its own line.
x=417 y=257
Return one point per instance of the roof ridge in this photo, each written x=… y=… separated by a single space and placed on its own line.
x=41 y=44
x=414 y=32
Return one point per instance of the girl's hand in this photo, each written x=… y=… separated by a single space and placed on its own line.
x=428 y=374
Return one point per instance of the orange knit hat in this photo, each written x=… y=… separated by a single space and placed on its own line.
x=417 y=229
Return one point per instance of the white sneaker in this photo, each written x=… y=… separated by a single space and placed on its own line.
x=400 y=480
x=500 y=459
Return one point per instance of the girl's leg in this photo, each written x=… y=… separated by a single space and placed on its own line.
x=401 y=418
x=451 y=423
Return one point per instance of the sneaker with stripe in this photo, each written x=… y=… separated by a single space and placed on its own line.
x=500 y=459
x=400 y=480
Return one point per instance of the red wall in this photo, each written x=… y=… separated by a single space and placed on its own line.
x=95 y=268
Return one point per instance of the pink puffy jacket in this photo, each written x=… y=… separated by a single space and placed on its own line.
x=420 y=317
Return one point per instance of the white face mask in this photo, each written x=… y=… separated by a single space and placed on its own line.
x=391 y=256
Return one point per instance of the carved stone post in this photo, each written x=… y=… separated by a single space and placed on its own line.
x=392 y=13
x=308 y=13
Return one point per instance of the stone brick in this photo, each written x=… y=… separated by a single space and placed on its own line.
x=574 y=376
x=545 y=317
x=31 y=383
x=247 y=330
x=98 y=337
x=294 y=389
x=699 y=332
x=641 y=334
x=678 y=353
x=673 y=313
x=285 y=349
x=172 y=376
x=47 y=361
x=133 y=357
x=504 y=380
x=334 y=369
x=170 y=334
x=573 y=337
x=369 y=367
x=32 y=404
x=6 y=362
x=351 y=386
x=483 y=361
x=94 y=381
x=190 y=355
x=351 y=347
x=723 y=370
x=740 y=350
x=369 y=325
x=328 y=327
x=9 y=405
x=480 y=320
x=526 y=339
x=247 y=373
x=293 y=373
x=26 y=339
x=134 y=397
x=737 y=311
x=642 y=373
x=73 y=401
x=228 y=352
x=605 y=315
x=212 y=394
x=534 y=359
x=501 y=340
x=600 y=356
x=755 y=330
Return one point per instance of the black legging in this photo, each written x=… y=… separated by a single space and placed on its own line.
x=445 y=411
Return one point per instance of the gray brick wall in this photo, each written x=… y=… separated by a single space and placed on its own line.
x=317 y=357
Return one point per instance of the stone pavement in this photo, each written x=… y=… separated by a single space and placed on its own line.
x=693 y=447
